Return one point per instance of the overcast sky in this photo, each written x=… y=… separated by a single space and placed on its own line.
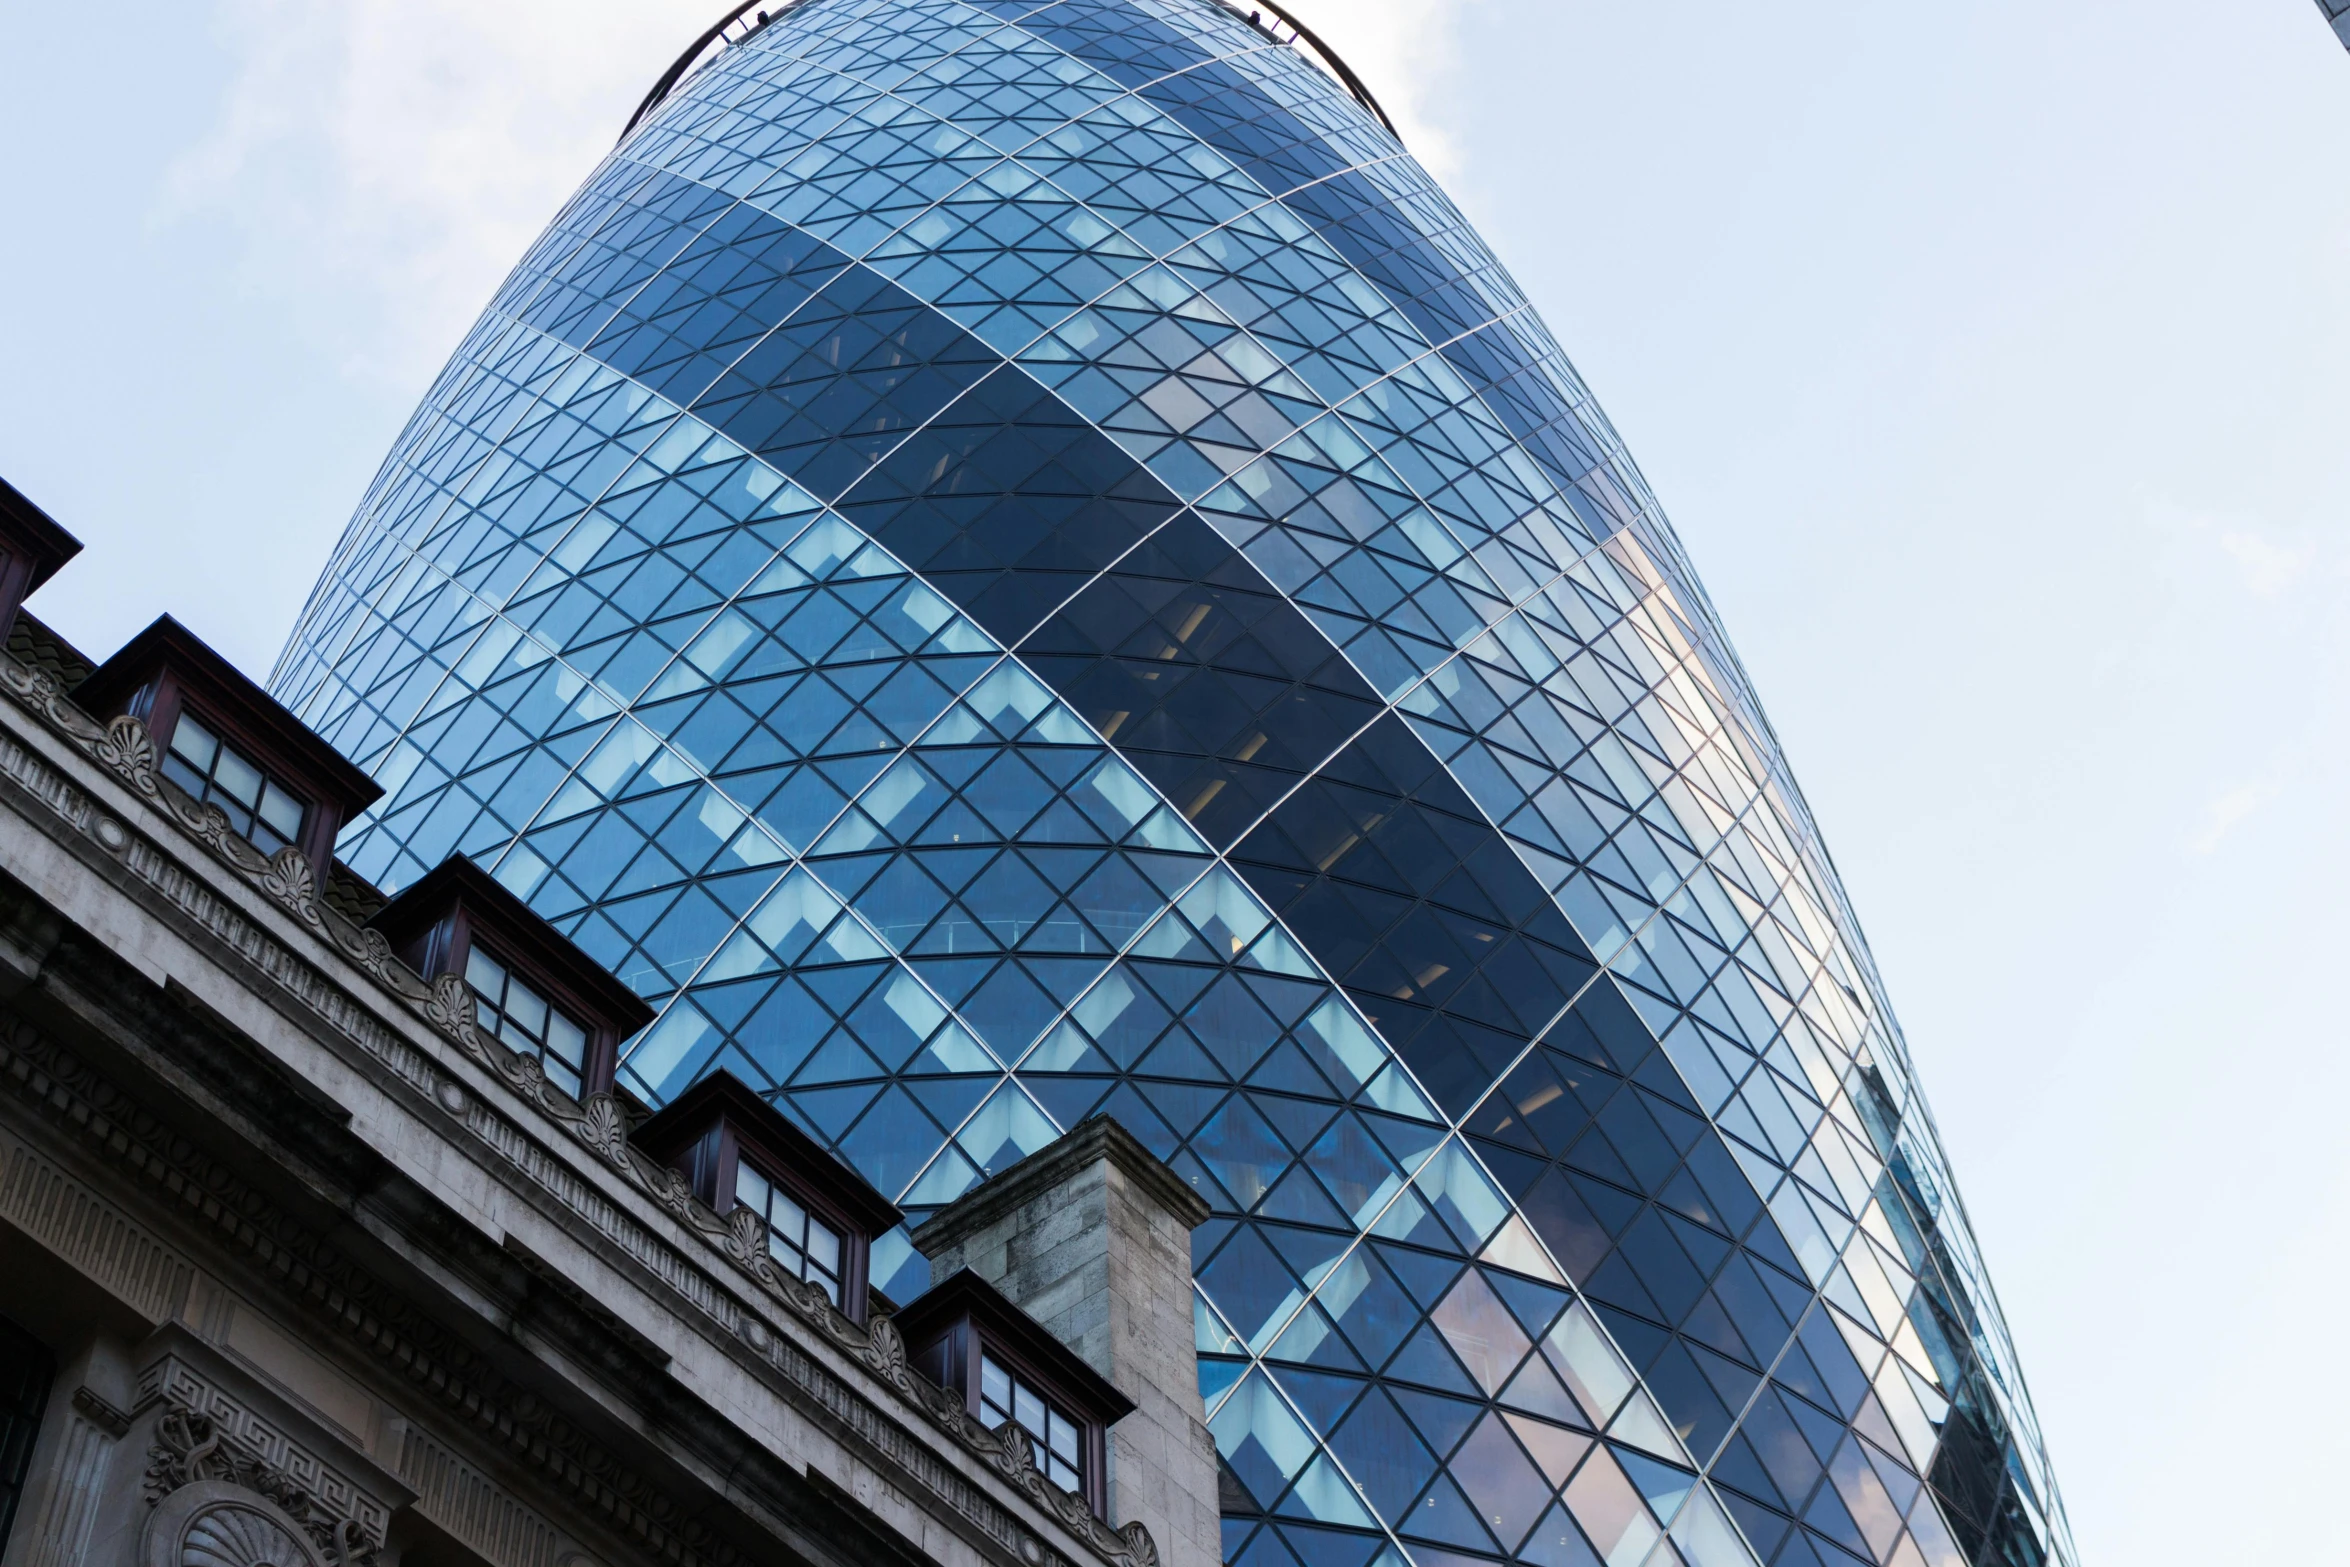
x=1993 y=361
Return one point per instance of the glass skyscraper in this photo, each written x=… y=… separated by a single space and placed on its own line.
x=1006 y=560
x=2338 y=13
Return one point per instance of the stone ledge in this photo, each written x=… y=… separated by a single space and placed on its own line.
x=1093 y=1140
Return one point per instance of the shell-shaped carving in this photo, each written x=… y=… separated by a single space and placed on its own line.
x=128 y=748
x=887 y=1353
x=234 y=1536
x=1141 y=1549
x=450 y=1006
x=290 y=879
x=603 y=1128
x=746 y=1236
x=1015 y=1450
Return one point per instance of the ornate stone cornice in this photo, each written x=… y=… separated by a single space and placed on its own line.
x=127 y=752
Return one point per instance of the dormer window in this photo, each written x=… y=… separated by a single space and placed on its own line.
x=224 y=741
x=259 y=808
x=527 y=1021
x=736 y=1150
x=805 y=1246
x=1005 y=1366
x=1059 y=1435
x=532 y=989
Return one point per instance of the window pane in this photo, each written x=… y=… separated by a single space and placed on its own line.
x=282 y=812
x=179 y=772
x=527 y=1008
x=195 y=742
x=566 y=1040
x=995 y=1385
x=562 y=1076
x=237 y=778
x=484 y=974
x=750 y=1189
x=1027 y=1408
x=823 y=1247
x=790 y=1218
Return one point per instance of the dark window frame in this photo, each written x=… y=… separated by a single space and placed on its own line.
x=448 y=948
x=856 y=1247
x=166 y=671
x=32 y=547
x=1049 y=1457
x=951 y=1331
x=719 y=1125
x=435 y=925
x=585 y=1070
x=164 y=701
x=23 y=1416
x=226 y=741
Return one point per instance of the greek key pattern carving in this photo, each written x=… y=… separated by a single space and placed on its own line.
x=191 y=1445
x=332 y=1492
x=125 y=748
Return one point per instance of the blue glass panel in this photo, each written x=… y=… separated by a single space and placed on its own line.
x=1013 y=560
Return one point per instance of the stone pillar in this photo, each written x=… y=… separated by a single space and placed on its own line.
x=77 y=1464
x=1092 y=1238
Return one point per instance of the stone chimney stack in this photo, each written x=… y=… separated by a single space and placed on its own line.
x=1092 y=1237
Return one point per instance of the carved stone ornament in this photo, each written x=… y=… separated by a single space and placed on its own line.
x=289 y=878
x=214 y=1499
x=217 y=1525
x=127 y=750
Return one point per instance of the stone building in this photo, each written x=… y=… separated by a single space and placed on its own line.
x=323 y=1240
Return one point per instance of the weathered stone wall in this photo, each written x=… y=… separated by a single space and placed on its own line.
x=1092 y=1237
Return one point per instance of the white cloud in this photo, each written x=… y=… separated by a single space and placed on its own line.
x=2268 y=567
x=386 y=161
x=2223 y=815
x=1403 y=50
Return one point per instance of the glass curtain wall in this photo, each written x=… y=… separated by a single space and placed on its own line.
x=1003 y=561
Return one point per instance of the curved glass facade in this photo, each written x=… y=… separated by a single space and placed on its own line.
x=1002 y=561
